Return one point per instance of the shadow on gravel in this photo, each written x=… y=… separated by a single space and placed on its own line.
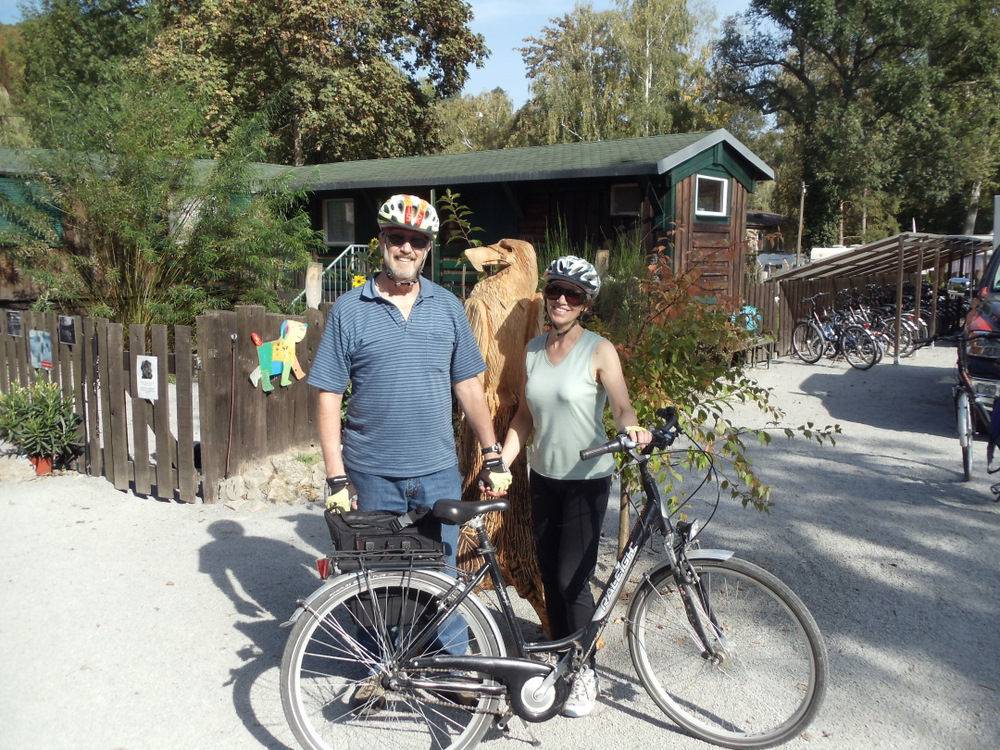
x=856 y=396
x=263 y=578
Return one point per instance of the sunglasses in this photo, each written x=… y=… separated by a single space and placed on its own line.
x=417 y=241
x=573 y=296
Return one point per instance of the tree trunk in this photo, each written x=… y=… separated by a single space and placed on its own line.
x=972 y=210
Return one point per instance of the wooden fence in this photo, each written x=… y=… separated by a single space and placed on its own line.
x=204 y=419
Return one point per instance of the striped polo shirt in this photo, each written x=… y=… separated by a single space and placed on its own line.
x=400 y=407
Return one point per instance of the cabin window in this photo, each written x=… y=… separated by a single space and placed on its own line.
x=625 y=200
x=711 y=196
x=338 y=222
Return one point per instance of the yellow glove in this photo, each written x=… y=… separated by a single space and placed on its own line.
x=495 y=476
x=338 y=494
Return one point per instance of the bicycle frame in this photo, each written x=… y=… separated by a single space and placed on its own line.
x=517 y=670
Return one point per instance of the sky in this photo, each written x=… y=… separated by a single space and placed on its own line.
x=504 y=24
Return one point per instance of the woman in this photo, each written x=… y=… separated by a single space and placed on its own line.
x=571 y=375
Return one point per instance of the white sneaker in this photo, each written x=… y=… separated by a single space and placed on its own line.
x=583 y=694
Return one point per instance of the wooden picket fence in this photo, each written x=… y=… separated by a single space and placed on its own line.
x=204 y=422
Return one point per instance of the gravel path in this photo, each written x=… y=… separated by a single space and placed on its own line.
x=133 y=623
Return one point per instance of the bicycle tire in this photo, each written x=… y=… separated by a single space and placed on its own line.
x=858 y=347
x=966 y=431
x=807 y=342
x=772 y=678
x=326 y=660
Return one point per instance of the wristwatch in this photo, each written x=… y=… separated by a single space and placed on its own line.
x=495 y=448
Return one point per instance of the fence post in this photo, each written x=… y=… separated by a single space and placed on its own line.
x=217 y=350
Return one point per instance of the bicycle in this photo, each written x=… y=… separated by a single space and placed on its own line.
x=972 y=391
x=724 y=648
x=815 y=336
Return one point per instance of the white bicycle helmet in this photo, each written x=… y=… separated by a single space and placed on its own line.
x=409 y=212
x=575 y=271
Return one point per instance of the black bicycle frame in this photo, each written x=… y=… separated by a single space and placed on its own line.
x=581 y=643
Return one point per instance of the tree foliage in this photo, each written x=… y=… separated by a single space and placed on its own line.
x=79 y=44
x=341 y=79
x=483 y=122
x=151 y=233
x=677 y=349
x=635 y=70
x=862 y=87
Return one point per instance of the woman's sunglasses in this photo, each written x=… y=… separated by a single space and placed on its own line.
x=417 y=241
x=573 y=296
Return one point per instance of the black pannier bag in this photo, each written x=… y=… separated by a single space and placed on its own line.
x=380 y=539
x=374 y=539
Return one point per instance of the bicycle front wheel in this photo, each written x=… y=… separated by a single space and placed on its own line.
x=807 y=341
x=351 y=639
x=966 y=432
x=769 y=675
x=859 y=348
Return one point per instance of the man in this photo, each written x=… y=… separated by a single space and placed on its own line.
x=404 y=345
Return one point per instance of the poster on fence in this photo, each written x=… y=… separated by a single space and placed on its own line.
x=40 y=345
x=147 y=383
x=14 y=323
x=67 y=330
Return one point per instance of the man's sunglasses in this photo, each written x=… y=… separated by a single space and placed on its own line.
x=573 y=296
x=417 y=241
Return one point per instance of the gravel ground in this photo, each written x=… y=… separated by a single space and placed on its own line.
x=131 y=623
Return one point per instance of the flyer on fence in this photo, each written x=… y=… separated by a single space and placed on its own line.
x=148 y=381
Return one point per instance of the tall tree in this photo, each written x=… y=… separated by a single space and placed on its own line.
x=476 y=123
x=79 y=43
x=631 y=71
x=152 y=234
x=345 y=79
x=848 y=79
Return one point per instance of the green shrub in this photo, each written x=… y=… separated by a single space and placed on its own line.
x=38 y=420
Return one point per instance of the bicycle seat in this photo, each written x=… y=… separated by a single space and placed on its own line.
x=457 y=512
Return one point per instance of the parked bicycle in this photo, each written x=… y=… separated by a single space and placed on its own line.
x=722 y=646
x=974 y=395
x=833 y=335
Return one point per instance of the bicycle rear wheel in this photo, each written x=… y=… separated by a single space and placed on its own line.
x=351 y=637
x=807 y=341
x=769 y=677
x=966 y=431
x=859 y=347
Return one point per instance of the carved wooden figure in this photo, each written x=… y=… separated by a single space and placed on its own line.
x=504 y=310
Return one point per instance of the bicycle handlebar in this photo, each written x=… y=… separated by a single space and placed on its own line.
x=663 y=436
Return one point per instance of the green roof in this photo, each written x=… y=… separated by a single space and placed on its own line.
x=651 y=155
x=629 y=157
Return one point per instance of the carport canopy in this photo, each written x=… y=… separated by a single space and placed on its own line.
x=897 y=256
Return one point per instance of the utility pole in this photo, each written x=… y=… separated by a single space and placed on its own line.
x=798 y=241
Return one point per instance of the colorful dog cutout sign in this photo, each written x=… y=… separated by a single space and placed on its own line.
x=278 y=357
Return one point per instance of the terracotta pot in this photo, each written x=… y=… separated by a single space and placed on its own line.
x=42 y=464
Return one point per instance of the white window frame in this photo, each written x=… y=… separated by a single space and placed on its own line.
x=338 y=242
x=724 y=182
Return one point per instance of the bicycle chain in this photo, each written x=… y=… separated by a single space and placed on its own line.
x=430 y=701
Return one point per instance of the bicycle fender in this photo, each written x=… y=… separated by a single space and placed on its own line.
x=719 y=555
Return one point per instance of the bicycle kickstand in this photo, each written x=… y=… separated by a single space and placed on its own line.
x=503 y=724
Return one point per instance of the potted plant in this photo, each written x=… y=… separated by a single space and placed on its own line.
x=39 y=422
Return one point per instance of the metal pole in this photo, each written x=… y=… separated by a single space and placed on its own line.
x=798 y=241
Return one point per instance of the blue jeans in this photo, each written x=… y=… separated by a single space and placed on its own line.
x=403 y=494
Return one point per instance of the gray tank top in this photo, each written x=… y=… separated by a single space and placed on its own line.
x=567 y=408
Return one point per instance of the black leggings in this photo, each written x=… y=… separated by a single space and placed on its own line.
x=567 y=515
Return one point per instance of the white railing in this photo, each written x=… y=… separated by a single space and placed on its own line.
x=339 y=274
